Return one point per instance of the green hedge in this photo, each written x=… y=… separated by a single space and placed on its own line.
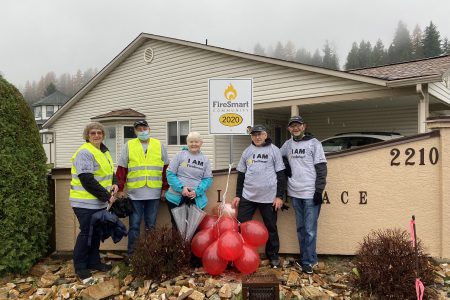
x=24 y=205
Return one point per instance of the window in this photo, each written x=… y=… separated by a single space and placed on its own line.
x=177 y=132
x=110 y=141
x=128 y=133
x=49 y=111
x=37 y=112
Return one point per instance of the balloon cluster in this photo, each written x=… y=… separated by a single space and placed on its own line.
x=219 y=242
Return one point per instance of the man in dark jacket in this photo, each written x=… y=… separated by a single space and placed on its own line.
x=260 y=184
x=305 y=186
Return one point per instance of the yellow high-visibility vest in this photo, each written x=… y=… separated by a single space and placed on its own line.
x=144 y=169
x=103 y=175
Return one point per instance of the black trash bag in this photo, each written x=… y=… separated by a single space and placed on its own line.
x=122 y=207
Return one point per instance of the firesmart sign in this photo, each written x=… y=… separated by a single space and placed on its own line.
x=230 y=105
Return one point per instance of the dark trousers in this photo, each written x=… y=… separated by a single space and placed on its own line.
x=247 y=209
x=83 y=255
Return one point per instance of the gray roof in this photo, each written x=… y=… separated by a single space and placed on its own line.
x=56 y=98
x=411 y=69
x=127 y=112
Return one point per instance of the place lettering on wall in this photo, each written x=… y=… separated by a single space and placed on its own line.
x=346 y=198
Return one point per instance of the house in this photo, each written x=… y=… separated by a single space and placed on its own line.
x=166 y=80
x=43 y=110
x=47 y=106
x=171 y=90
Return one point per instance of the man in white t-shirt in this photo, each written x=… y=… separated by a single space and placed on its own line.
x=305 y=186
x=260 y=184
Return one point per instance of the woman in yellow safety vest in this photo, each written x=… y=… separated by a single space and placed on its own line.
x=91 y=189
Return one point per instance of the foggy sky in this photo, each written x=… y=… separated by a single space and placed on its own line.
x=38 y=36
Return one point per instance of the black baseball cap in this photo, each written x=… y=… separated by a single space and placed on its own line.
x=140 y=122
x=258 y=128
x=295 y=119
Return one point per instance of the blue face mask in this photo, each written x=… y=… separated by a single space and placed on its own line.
x=143 y=135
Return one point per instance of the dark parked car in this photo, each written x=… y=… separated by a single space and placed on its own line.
x=350 y=140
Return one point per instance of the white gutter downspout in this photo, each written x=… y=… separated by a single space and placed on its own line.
x=423 y=106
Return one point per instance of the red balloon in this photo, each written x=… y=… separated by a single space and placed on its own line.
x=230 y=245
x=249 y=261
x=212 y=262
x=201 y=241
x=254 y=233
x=225 y=223
x=208 y=222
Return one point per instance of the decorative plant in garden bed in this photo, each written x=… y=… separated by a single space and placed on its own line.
x=24 y=205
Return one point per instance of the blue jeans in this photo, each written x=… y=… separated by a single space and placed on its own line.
x=148 y=208
x=306 y=216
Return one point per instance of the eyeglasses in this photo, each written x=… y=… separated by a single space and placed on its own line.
x=99 y=132
x=296 y=125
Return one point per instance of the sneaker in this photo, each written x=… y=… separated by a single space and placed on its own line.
x=101 y=267
x=308 y=269
x=298 y=264
x=126 y=261
x=83 y=274
x=275 y=262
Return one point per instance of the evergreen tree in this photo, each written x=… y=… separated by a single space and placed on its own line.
x=51 y=88
x=279 y=51
x=24 y=205
x=303 y=56
x=329 y=59
x=352 y=58
x=316 y=59
x=400 y=48
x=416 y=43
x=364 y=54
x=259 y=50
x=431 y=41
x=445 y=46
x=378 y=56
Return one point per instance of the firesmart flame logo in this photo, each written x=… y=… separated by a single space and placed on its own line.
x=230 y=93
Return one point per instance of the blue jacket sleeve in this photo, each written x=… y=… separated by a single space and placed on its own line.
x=203 y=186
x=174 y=182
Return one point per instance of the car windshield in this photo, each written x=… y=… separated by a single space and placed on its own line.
x=335 y=144
x=343 y=143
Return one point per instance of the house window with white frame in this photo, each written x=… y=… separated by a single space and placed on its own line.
x=110 y=141
x=111 y=136
x=37 y=112
x=49 y=111
x=177 y=132
x=128 y=133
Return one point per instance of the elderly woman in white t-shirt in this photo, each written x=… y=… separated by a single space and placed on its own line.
x=189 y=174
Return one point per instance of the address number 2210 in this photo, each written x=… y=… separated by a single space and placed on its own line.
x=432 y=156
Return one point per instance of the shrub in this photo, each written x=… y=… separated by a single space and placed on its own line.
x=386 y=265
x=24 y=205
x=160 y=253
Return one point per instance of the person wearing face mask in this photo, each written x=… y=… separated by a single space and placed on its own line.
x=260 y=184
x=306 y=184
x=141 y=170
x=189 y=174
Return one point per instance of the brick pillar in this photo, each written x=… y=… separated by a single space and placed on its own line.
x=443 y=125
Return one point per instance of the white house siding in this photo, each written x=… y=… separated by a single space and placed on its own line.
x=174 y=87
x=440 y=91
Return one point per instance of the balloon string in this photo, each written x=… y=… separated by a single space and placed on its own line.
x=224 y=196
